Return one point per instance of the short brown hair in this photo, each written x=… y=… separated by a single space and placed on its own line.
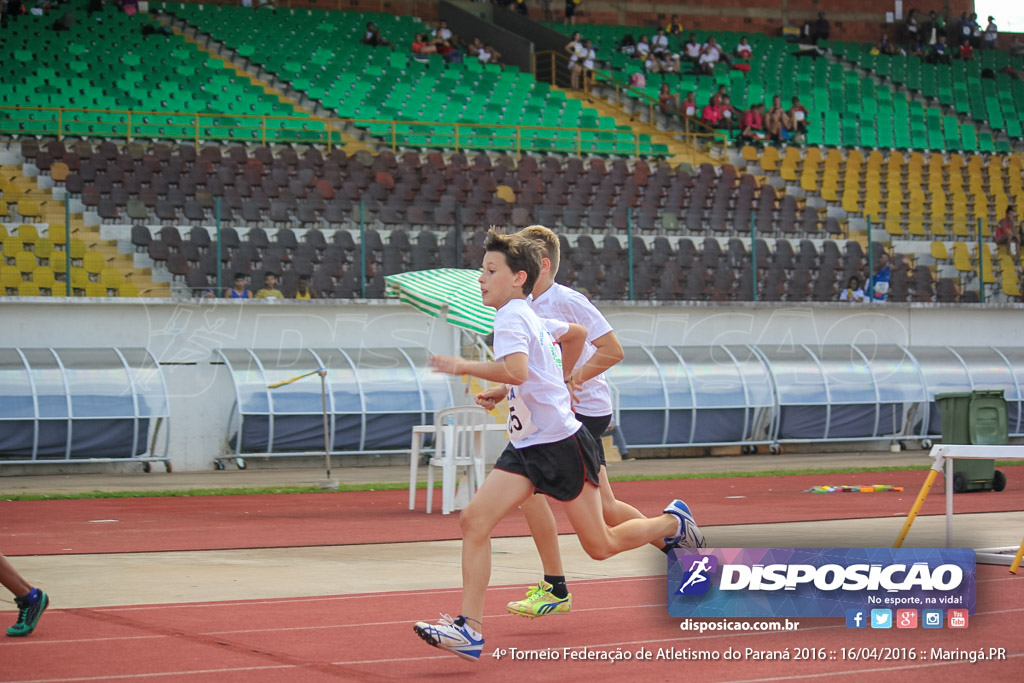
x=548 y=242
x=521 y=254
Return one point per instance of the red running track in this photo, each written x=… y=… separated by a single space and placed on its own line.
x=369 y=638
x=318 y=519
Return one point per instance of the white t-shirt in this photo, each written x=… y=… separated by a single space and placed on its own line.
x=594 y=398
x=588 y=58
x=643 y=49
x=659 y=42
x=714 y=51
x=443 y=34
x=693 y=50
x=708 y=58
x=578 y=51
x=539 y=409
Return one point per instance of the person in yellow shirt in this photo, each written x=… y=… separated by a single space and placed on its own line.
x=270 y=290
x=302 y=291
x=673 y=27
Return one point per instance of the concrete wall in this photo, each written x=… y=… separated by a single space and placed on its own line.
x=468 y=20
x=183 y=336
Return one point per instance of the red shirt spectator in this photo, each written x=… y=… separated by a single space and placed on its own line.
x=966 y=52
x=712 y=114
x=753 y=120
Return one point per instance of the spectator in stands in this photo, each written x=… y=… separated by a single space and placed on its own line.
x=911 y=28
x=643 y=49
x=752 y=125
x=488 y=55
x=716 y=99
x=707 y=61
x=373 y=38
x=570 y=11
x=669 y=61
x=303 y=291
x=776 y=122
x=712 y=114
x=721 y=114
x=853 y=293
x=720 y=55
x=991 y=34
x=938 y=27
x=692 y=50
x=975 y=30
x=1007 y=235
x=421 y=48
x=885 y=46
x=963 y=29
x=821 y=29
x=668 y=102
x=743 y=50
x=442 y=32
x=688 y=105
x=880 y=280
x=798 y=116
x=966 y=52
x=660 y=41
x=239 y=291
x=939 y=53
x=270 y=290
x=628 y=45
x=521 y=8
x=576 y=53
x=130 y=7
x=674 y=27
x=474 y=47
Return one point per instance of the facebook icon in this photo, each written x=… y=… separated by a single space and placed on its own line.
x=856 y=618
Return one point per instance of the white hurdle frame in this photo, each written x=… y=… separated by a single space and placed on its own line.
x=944 y=455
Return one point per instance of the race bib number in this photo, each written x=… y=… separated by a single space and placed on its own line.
x=520 y=422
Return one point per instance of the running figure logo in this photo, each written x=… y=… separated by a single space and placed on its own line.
x=696 y=580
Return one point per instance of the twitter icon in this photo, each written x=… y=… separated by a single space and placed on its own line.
x=881 y=618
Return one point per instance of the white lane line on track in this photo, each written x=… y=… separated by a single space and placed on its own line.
x=156 y=674
x=856 y=672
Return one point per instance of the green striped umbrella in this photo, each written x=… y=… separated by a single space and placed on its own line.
x=452 y=294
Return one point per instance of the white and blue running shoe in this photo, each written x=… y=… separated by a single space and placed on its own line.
x=688 y=535
x=452 y=635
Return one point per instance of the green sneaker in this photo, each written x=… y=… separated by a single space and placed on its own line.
x=540 y=602
x=28 y=613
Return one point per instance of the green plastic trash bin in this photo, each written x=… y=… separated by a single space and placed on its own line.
x=977 y=418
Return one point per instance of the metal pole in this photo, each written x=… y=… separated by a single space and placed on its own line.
x=216 y=215
x=67 y=245
x=753 y=252
x=981 y=266
x=330 y=483
x=629 y=248
x=362 y=248
x=871 y=266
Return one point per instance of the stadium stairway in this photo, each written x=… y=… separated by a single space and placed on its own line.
x=216 y=49
x=682 y=152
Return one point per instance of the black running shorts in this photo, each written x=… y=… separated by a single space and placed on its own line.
x=597 y=426
x=559 y=469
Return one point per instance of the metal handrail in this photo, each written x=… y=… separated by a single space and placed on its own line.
x=333 y=127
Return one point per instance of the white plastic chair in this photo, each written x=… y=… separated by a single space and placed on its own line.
x=458 y=443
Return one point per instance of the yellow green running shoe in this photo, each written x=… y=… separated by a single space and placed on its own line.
x=540 y=602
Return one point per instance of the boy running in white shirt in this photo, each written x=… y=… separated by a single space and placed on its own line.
x=592 y=405
x=548 y=451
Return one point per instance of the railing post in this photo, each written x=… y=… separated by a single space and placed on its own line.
x=220 y=266
x=753 y=253
x=519 y=143
x=197 y=132
x=456 y=138
x=981 y=266
x=394 y=138
x=67 y=245
x=60 y=123
x=579 y=142
x=871 y=266
x=128 y=138
x=629 y=250
x=263 y=121
x=362 y=248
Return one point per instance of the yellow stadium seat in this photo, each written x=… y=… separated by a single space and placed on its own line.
x=505 y=192
x=28 y=289
x=92 y=262
x=3 y=231
x=1009 y=282
x=129 y=290
x=79 y=278
x=770 y=159
x=77 y=249
x=893 y=227
x=58 y=262
x=962 y=258
x=12 y=245
x=939 y=251
x=95 y=289
x=44 y=278
x=749 y=153
x=29 y=208
x=44 y=248
x=4 y=211
x=10 y=277
x=111 y=278
x=985 y=261
x=58 y=235
x=28 y=233
x=25 y=261
x=915 y=227
x=59 y=171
